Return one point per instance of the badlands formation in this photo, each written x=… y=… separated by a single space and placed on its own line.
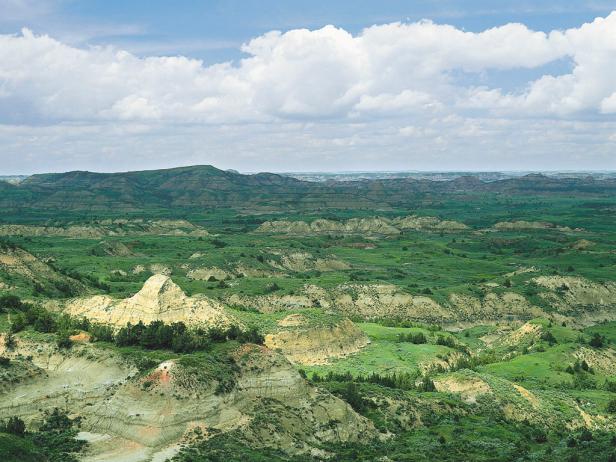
x=576 y=300
x=129 y=416
x=108 y=228
x=160 y=299
x=366 y=226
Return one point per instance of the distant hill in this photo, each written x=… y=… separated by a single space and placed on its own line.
x=206 y=187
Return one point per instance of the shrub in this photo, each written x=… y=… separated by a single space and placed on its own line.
x=14 y=426
x=447 y=341
x=597 y=341
x=63 y=341
x=9 y=341
x=547 y=336
x=417 y=339
x=426 y=384
x=351 y=395
x=273 y=287
x=18 y=323
x=10 y=302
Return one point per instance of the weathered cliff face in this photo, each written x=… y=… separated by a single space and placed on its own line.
x=303 y=261
x=368 y=301
x=582 y=302
x=128 y=416
x=160 y=299
x=570 y=292
x=374 y=225
x=274 y=263
x=211 y=273
x=373 y=301
x=518 y=404
x=319 y=344
x=428 y=224
x=493 y=307
x=365 y=226
x=55 y=379
x=468 y=387
x=111 y=249
x=108 y=228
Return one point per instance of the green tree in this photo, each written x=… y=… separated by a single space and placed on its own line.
x=10 y=302
x=9 y=340
x=14 y=426
x=597 y=341
x=351 y=395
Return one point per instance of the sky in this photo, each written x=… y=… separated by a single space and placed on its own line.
x=476 y=85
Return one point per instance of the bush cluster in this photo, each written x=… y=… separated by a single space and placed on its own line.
x=179 y=338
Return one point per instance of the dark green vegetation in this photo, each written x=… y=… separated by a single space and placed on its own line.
x=54 y=441
x=178 y=338
x=187 y=189
x=492 y=382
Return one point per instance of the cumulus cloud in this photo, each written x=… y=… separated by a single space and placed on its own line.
x=312 y=74
x=407 y=73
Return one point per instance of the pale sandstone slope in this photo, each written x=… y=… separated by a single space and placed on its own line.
x=316 y=345
x=160 y=299
x=107 y=228
x=365 y=226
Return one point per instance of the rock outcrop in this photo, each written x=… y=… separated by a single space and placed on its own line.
x=108 y=228
x=160 y=299
x=571 y=294
x=300 y=262
x=369 y=301
x=371 y=226
x=428 y=224
x=316 y=345
x=581 y=301
x=209 y=274
x=469 y=387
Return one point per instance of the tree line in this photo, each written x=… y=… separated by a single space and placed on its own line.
x=156 y=335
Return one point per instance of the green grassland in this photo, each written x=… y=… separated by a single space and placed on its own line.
x=435 y=264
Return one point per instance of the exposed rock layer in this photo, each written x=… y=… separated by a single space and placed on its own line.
x=318 y=345
x=365 y=226
x=160 y=299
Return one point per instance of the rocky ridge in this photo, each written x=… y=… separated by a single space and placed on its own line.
x=108 y=228
x=160 y=299
x=582 y=302
x=366 y=226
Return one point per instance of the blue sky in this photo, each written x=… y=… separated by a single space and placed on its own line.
x=238 y=95
x=214 y=30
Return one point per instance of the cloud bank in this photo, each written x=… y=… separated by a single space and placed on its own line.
x=389 y=96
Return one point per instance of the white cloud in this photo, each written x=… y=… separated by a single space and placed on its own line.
x=322 y=73
x=405 y=76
